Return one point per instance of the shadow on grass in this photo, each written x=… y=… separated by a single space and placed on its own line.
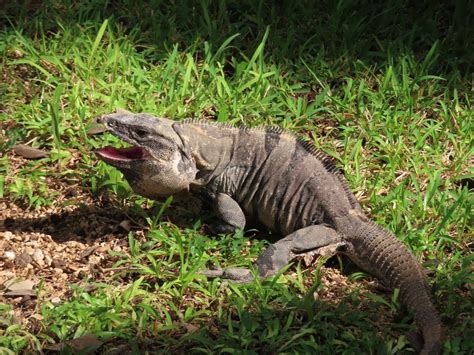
x=345 y=32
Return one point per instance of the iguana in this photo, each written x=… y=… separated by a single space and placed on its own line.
x=270 y=176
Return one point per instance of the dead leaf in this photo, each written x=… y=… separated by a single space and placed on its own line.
x=86 y=344
x=29 y=152
x=15 y=284
x=96 y=129
x=17 y=287
x=24 y=292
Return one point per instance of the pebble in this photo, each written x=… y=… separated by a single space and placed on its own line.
x=7 y=235
x=32 y=243
x=58 y=264
x=48 y=260
x=55 y=301
x=94 y=259
x=125 y=224
x=23 y=259
x=38 y=256
x=9 y=255
x=57 y=271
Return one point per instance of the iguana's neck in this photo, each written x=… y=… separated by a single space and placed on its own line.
x=209 y=145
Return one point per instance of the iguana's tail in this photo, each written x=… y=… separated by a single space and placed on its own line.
x=383 y=255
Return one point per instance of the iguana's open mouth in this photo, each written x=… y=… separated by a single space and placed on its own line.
x=123 y=154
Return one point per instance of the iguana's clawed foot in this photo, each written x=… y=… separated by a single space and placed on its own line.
x=235 y=274
x=218 y=228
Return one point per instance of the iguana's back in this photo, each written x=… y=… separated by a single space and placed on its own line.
x=277 y=179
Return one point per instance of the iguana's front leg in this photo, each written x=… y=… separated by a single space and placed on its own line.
x=230 y=215
x=317 y=240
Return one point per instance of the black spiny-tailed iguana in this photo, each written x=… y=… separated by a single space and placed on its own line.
x=268 y=175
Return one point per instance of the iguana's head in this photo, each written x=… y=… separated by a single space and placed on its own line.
x=157 y=164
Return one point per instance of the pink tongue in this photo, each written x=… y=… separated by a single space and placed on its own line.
x=122 y=153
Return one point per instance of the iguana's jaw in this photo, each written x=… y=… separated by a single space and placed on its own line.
x=111 y=154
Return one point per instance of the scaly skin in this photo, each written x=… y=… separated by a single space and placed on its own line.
x=268 y=175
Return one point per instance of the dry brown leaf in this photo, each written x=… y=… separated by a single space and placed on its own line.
x=29 y=152
x=23 y=292
x=96 y=129
x=15 y=284
x=17 y=287
x=88 y=341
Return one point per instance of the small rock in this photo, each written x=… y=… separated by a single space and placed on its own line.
x=16 y=53
x=38 y=256
x=48 y=260
x=23 y=260
x=94 y=259
x=125 y=224
x=102 y=249
x=58 y=264
x=72 y=244
x=32 y=243
x=57 y=271
x=7 y=235
x=9 y=255
x=55 y=301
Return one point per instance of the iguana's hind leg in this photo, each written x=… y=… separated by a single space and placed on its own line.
x=230 y=215
x=317 y=240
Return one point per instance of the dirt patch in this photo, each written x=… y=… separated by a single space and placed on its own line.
x=56 y=247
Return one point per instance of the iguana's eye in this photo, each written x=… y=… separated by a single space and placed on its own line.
x=141 y=133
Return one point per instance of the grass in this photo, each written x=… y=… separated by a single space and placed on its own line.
x=386 y=90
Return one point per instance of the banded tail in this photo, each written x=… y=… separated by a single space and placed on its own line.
x=383 y=255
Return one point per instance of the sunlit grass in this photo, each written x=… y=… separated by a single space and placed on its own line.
x=392 y=107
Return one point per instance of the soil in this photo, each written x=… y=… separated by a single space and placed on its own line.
x=56 y=247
